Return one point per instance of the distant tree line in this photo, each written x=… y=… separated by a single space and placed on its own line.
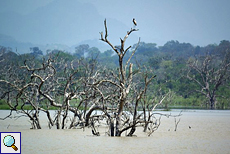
x=82 y=92
x=118 y=88
x=179 y=67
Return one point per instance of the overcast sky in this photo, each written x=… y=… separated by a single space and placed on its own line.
x=199 y=22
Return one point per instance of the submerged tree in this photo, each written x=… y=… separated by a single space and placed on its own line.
x=124 y=80
x=129 y=96
x=85 y=94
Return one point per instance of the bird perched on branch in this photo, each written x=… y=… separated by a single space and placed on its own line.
x=134 y=22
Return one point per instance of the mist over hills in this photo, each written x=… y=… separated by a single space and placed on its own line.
x=23 y=47
x=61 y=23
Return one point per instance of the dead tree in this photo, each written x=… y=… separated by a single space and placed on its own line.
x=95 y=95
x=19 y=92
x=209 y=73
x=52 y=83
x=33 y=89
x=124 y=83
x=126 y=115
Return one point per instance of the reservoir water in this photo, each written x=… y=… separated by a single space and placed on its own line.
x=199 y=131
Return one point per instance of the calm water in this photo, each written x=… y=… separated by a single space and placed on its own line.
x=209 y=133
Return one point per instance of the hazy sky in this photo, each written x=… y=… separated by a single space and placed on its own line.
x=199 y=22
x=196 y=21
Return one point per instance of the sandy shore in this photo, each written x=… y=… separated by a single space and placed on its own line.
x=209 y=133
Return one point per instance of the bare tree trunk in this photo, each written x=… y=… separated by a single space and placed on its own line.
x=124 y=89
x=212 y=103
x=112 y=127
x=118 y=119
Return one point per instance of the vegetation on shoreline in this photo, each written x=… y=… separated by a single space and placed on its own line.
x=169 y=63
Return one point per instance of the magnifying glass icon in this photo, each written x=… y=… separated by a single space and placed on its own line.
x=9 y=141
